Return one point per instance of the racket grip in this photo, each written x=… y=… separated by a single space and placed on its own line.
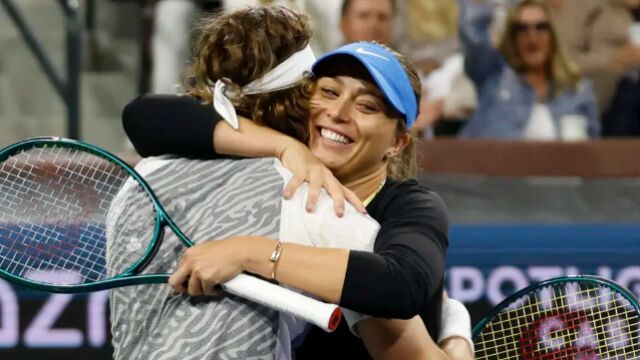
x=323 y=315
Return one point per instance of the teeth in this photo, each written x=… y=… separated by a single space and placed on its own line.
x=335 y=137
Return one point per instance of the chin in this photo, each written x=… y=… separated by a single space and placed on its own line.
x=535 y=64
x=328 y=160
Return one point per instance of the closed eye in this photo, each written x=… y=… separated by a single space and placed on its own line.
x=329 y=92
x=368 y=108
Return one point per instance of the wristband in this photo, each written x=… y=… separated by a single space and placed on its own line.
x=455 y=321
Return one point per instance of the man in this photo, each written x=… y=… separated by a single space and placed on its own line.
x=367 y=20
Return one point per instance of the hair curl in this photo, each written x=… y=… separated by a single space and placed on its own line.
x=242 y=45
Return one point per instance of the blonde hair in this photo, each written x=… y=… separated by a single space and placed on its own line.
x=405 y=165
x=242 y=45
x=564 y=73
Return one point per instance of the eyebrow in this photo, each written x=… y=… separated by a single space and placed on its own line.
x=365 y=88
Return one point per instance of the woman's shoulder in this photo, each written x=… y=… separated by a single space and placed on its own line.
x=412 y=198
x=581 y=91
x=409 y=187
x=410 y=207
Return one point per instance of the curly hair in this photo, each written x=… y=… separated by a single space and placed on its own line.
x=242 y=45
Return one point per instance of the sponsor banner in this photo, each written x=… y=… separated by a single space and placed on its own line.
x=485 y=265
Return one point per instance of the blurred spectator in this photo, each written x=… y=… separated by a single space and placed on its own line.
x=427 y=31
x=596 y=34
x=448 y=98
x=324 y=15
x=368 y=20
x=527 y=87
x=624 y=115
x=173 y=21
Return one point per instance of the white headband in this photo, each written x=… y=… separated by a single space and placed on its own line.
x=287 y=74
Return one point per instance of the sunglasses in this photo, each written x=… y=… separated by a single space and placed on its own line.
x=542 y=26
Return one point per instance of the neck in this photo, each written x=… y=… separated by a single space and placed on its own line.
x=538 y=81
x=368 y=184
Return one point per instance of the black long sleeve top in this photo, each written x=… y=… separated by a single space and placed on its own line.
x=400 y=279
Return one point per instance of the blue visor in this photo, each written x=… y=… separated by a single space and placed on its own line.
x=386 y=71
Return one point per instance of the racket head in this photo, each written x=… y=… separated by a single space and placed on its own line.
x=572 y=317
x=56 y=197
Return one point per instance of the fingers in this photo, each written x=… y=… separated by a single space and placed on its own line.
x=315 y=185
x=292 y=187
x=337 y=194
x=211 y=289
x=178 y=280
x=335 y=189
x=195 y=285
x=354 y=200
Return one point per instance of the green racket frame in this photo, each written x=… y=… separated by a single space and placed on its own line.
x=130 y=276
x=477 y=330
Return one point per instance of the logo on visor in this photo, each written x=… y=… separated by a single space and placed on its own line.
x=363 y=51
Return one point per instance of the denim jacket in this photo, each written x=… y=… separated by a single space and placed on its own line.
x=505 y=98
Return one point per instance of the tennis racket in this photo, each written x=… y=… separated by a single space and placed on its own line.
x=55 y=198
x=577 y=317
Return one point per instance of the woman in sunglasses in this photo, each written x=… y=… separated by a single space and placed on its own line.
x=527 y=87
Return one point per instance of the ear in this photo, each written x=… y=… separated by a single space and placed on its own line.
x=343 y=27
x=401 y=142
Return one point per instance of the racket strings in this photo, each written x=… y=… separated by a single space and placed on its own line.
x=587 y=321
x=54 y=204
x=502 y=346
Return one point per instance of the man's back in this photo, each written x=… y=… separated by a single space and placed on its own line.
x=207 y=200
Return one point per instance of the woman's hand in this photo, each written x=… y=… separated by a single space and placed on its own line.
x=205 y=266
x=253 y=140
x=298 y=159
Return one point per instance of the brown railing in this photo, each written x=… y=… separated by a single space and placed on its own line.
x=599 y=158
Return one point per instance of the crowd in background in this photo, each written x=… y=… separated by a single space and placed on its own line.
x=498 y=69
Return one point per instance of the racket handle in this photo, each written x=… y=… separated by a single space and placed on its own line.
x=323 y=315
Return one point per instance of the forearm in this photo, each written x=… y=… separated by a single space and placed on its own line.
x=480 y=57
x=169 y=124
x=409 y=279
x=250 y=140
x=457 y=348
x=318 y=271
x=398 y=339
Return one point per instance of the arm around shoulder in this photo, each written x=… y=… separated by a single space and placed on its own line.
x=170 y=124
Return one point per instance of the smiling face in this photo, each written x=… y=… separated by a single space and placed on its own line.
x=351 y=129
x=532 y=34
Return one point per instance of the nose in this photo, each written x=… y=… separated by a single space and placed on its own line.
x=532 y=33
x=339 y=110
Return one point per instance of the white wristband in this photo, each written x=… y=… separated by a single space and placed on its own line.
x=455 y=321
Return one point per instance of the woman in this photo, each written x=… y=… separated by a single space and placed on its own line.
x=527 y=87
x=400 y=207
x=194 y=287
x=596 y=36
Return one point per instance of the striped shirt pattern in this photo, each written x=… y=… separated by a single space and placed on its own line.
x=207 y=200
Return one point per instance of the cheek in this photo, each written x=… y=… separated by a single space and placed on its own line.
x=382 y=133
x=520 y=46
x=315 y=107
x=546 y=42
